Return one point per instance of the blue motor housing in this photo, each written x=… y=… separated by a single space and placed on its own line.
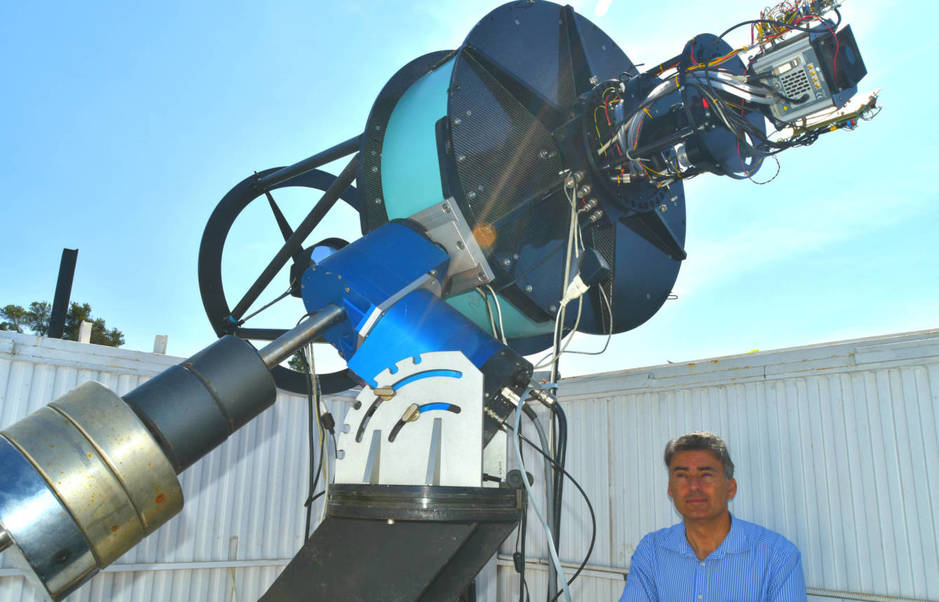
x=388 y=283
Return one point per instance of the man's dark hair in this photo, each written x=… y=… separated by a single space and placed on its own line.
x=701 y=441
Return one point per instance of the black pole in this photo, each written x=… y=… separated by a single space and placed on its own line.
x=330 y=154
x=63 y=291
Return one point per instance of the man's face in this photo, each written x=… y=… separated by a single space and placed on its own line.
x=698 y=486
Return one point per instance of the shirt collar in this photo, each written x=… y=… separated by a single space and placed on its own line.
x=735 y=542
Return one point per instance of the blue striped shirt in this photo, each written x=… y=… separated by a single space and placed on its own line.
x=751 y=564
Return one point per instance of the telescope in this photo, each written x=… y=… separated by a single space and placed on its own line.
x=511 y=192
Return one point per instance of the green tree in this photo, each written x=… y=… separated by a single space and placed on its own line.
x=298 y=362
x=14 y=318
x=37 y=317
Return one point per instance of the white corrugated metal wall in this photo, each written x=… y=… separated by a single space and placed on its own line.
x=243 y=516
x=834 y=445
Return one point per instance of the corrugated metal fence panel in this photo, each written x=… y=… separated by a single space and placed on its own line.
x=835 y=447
x=243 y=516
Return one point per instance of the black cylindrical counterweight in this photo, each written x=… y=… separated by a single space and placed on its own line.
x=193 y=407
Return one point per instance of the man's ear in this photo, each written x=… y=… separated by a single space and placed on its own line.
x=732 y=489
x=670 y=489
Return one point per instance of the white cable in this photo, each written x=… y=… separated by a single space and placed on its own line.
x=609 y=336
x=735 y=88
x=492 y=321
x=544 y=361
x=571 y=245
x=499 y=314
x=531 y=496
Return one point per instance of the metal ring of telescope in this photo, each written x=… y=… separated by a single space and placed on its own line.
x=216 y=304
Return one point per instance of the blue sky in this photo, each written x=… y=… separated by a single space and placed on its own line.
x=122 y=126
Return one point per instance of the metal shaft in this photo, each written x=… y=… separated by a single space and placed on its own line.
x=5 y=540
x=285 y=345
x=331 y=154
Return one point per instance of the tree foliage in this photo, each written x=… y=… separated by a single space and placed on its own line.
x=36 y=320
x=298 y=362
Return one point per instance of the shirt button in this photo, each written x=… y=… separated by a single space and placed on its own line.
x=700 y=596
x=702 y=564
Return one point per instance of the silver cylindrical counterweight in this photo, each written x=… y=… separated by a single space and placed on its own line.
x=94 y=480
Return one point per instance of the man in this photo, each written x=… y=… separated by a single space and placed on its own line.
x=711 y=556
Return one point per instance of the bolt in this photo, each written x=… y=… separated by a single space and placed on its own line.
x=391 y=521
x=594 y=80
x=446 y=208
x=433 y=272
x=457 y=121
x=461 y=158
x=529 y=288
x=506 y=262
x=471 y=195
x=460 y=245
x=481 y=277
x=663 y=207
x=374 y=169
x=543 y=154
x=469 y=113
x=553 y=309
x=378 y=200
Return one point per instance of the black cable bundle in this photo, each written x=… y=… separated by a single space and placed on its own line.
x=314 y=475
x=559 y=434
